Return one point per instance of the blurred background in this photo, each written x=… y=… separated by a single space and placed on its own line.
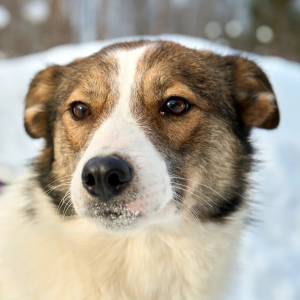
x=270 y=268
x=265 y=27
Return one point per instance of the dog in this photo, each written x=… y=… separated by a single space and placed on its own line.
x=141 y=190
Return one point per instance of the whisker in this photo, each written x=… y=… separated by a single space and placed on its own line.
x=73 y=211
x=58 y=179
x=70 y=204
x=175 y=183
x=50 y=190
x=193 y=194
x=175 y=177
x=189 y=209
x=62 y=201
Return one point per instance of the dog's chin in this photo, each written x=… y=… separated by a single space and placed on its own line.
x=117 y=217
x=118 y=226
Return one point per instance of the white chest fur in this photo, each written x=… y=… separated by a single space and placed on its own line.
x=46 y=258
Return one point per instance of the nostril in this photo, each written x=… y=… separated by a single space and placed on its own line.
x=90 y=180
x=114 y=180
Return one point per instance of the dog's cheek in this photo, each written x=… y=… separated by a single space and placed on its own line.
x=218 y=181
x=155 y=190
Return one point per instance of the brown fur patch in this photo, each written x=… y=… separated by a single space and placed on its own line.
x=255 y=95
x=41 y=90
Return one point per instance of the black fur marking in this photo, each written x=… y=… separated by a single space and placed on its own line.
x=226 y=208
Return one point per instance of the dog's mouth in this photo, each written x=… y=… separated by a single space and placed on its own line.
x=113 y=212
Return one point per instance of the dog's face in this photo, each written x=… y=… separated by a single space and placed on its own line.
x=140 y=132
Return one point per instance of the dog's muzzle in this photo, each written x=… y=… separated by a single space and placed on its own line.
x=106 y=177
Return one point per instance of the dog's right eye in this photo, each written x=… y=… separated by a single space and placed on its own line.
x=175 y=106
x=80 y=111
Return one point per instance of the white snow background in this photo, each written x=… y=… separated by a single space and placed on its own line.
x=270 y=267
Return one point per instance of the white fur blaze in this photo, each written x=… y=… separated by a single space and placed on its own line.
x=120 y=134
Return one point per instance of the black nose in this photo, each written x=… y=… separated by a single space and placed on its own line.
x=106 y=177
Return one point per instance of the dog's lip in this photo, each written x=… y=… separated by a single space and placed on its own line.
x=112 y=212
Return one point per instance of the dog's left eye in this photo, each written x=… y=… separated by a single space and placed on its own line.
x=80 y=110
x=175 y=106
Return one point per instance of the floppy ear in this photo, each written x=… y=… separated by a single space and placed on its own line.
x=253 y=93
x=41 y=93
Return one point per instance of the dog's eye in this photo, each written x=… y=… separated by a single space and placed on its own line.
x=175 y=106
x=80 y=110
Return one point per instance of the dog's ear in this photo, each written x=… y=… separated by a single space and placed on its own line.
x=40 y=95
x=253 y=93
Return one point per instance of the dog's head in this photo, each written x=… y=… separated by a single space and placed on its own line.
x=140 y=132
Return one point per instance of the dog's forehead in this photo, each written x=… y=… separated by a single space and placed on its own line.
x=130 y=67
x=134 y=69
x=159 y=62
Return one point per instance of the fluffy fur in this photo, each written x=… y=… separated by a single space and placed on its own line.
x=50 y=258
x=174 y=232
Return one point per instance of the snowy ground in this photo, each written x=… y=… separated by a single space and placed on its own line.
x=271 y=258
